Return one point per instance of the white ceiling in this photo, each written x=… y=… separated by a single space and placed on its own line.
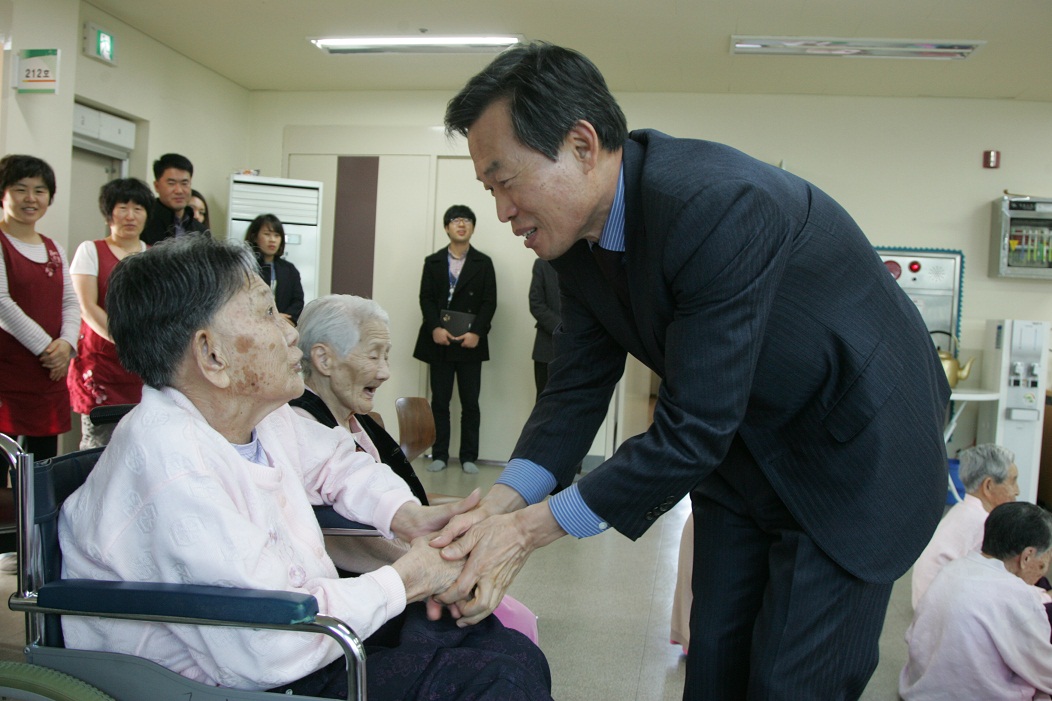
x=640 y=45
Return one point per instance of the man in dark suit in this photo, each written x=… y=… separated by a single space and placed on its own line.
x=802 y=400
x=171 y=214
x=546 y=309
x=457 y=278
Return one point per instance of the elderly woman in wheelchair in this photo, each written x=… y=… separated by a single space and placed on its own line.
x=211 y=480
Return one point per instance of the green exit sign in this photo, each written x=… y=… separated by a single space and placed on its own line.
x=99 y=43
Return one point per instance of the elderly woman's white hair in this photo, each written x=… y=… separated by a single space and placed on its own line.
x=336 y=321
x=982 y=461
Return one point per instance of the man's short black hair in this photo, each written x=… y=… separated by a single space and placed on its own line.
x=548 y=90
x=1015 y=526
x=15 y=167
x=122 y=191
x=171 y=160
x=458 y=211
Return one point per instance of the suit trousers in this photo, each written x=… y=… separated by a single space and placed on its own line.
x=773 y=616
x=468 y=375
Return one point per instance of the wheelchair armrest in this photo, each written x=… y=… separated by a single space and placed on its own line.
x=196 y=601
x=109 y=414
x=333 y=523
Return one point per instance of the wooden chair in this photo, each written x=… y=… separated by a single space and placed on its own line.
x=416 y=426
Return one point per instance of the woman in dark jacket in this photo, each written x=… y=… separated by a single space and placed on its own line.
x=266 y=235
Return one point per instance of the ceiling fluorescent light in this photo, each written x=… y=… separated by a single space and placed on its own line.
x=853 y=48
x=416 y=44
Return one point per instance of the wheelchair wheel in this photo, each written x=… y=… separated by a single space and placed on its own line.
x=27 y=682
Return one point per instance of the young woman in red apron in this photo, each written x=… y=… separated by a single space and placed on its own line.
x=96 y=376
x=38 y=312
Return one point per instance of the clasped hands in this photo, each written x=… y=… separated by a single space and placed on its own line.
x=443 y=338
x=55 y=359
x=469 y=564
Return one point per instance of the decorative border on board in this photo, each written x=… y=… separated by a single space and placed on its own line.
x=960 y=280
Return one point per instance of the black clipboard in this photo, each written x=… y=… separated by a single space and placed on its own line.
x=456 y=323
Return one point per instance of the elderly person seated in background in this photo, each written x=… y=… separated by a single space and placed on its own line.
x=210 y=480
x=346 y=343
x=990 y=479
x=980 y=632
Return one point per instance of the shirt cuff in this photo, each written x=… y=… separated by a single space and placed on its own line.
x=573 y=514
x=388 y=504
x=393 y=589
x=529 y=479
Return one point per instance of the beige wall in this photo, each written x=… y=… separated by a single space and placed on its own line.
x=40 y=124
x=907 y=169
x=180 y=107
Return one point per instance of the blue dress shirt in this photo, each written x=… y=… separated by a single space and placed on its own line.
x=531 y=480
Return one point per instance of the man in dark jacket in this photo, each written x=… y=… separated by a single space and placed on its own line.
x=801 y=404
x=457 y=279
x=171 y=214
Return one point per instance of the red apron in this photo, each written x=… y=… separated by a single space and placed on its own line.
x=96 y=376
x=31 y=404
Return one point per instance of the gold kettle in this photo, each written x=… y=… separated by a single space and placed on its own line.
x=950 y=365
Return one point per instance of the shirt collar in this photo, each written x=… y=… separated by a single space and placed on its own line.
x=613 y=236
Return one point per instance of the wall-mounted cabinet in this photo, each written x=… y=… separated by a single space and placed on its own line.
x=1021 y=239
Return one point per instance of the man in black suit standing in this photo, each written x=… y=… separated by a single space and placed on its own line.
x=171 y=214
x=546 y=309
x=458 y=278
x=802 y=400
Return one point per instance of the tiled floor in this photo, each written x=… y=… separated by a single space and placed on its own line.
x=603 y=606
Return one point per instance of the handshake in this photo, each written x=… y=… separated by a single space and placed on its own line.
x=466 y=554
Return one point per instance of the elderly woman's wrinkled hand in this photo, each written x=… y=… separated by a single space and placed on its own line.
x=424 y=571
x=413 y=520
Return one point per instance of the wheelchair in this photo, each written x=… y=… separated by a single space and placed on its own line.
x=53 y=673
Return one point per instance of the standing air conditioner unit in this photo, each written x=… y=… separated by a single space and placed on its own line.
x=297 y=203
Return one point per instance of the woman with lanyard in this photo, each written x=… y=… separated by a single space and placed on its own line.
x=96 y=376
x=39 y=315
x=266 y=235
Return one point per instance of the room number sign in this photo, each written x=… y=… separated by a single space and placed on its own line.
x=37 y=71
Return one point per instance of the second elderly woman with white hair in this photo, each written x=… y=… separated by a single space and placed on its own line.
x=346 y=342
x=211 y=478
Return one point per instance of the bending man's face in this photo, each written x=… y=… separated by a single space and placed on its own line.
x=547 y=202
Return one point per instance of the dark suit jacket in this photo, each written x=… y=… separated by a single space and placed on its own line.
x=767 y=313
x=160 y=223
x=545 y=308
x=476 y=293
x=288 y=293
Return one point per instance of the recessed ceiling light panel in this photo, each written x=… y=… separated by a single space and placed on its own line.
x=416 y=44
x=853 y=48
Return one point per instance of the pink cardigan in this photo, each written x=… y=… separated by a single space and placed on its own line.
x=172 y=501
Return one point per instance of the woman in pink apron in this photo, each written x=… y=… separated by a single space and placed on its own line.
x=39 y=314
x=96 y=376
